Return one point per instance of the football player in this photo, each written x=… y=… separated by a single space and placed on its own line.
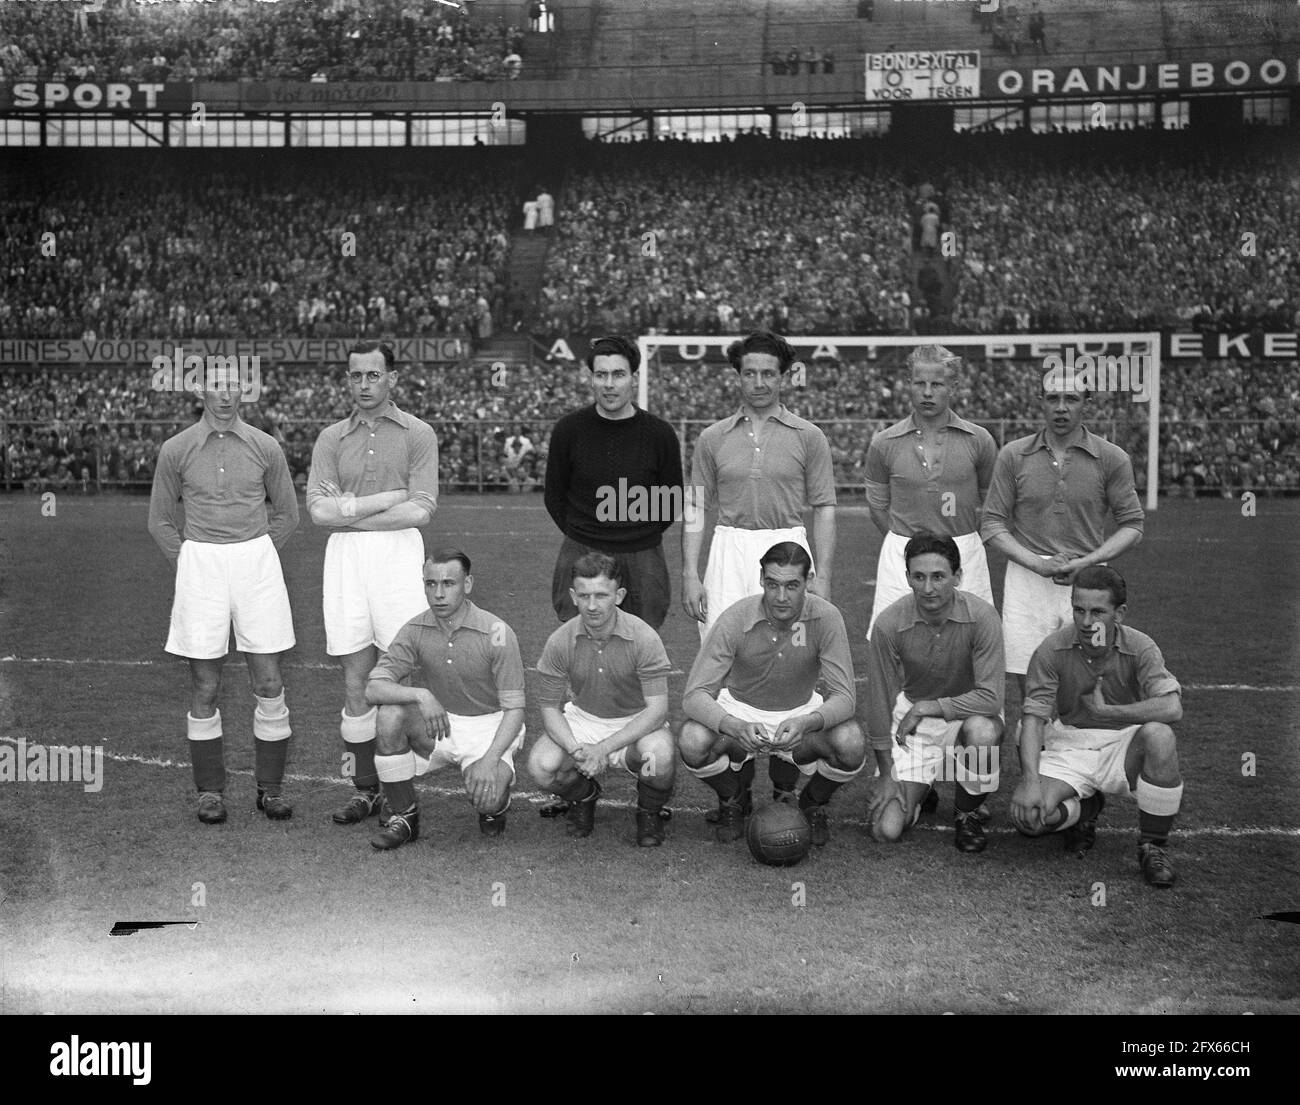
x=1099 y=703
x=617 y=669
x=471 y=715
x=935 y=673
x=752 y=691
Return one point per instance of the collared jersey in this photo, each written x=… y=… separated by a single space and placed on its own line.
x=767 y=482
x=1132 y=670
x=961 y=664
x=1052 y=507
x=388 y=450
x=771 y=668
x=216 y=484
x=473 y=669
x=939 y=494
x=609 y=678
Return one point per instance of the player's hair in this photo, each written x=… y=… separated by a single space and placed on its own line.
x=786 y=554
x=1048 y=390
x=446 y=555
x=935 y=354
x=594 y=564
x=363 y=347
x=922 y=544
x=614 y=345
x=1102 y=577
x=762 y=341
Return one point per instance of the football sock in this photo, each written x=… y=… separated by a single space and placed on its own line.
x=271 y=733
x=720 y=777
x=1090 y=807
x=579 y=789
x=396 y=776
x=1067 y=814
x=207 y=752
x=746 y=773
x=650 y=798
x=359 y=739
x=818 y=791
x=784 y=774
x=1157 y=809
x=963 y=801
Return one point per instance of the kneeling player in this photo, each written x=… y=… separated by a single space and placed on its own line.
x=472 y=714
x=618 y=670
x=752 y=689
x=936 y=658
x=1099 y=698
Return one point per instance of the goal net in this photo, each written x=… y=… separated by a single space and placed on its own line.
x=853 y=386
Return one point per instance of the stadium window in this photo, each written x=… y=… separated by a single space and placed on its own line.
x=1175 y=115
x=1273 y=111
x=20 y=132
x=346 y=130
x=92 y=130
x=986 y=118
x=710 y=126
x=616 y=128
x=1082 y=115
x=466 y=130
x=227 y=131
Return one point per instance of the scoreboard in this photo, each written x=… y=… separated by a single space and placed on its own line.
x=923 y=75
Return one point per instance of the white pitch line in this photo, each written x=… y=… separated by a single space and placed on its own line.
x=538 y=797
x=1283 y=688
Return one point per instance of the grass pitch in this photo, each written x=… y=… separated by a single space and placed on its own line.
x=303 y=916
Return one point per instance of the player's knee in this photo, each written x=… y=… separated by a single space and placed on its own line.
x=889 y=824
x=849 y=746
x=980 y=730
x=1158 y=740
x=204 y=690
x=695 y=743
x=390 y=729
x=658 y=755
x=542 y=764
x=267 y=684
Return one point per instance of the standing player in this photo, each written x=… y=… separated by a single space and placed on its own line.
x=613 y=477
x=618 y=670
x=1098 y=709
x=1046 y=510
x=374 y=481
x=928 y=474
x=762 y=468
x=935 y=672
x=752 y=690
x=208 y=513
x=471 y=715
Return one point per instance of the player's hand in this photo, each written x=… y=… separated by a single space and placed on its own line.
x=1057 y=566
x=908 y=725
x=887 y=789
x=1027 y=805
x=436 y=725
x=750 y=735
x=589 y=760
x=821 y=587
x=1094 y=703
x=481 y=782
x=789 y=734
x=694 y=600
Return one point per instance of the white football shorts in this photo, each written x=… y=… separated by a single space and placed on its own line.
x=468 y=742
x=217 y=585
x=771 y=721
x=590 y=729
x=374 y=585
x=1089 y=760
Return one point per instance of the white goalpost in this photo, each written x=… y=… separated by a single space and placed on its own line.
x=1126 y=365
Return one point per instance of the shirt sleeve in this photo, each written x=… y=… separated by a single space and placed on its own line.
x=704 y=475
x=708 y=674
x=324 y=466
x=507 y=667
x=1001 y=497
x=652 y=666
x=877 y=474
x=1153 y=677
x=986 y=456
x=422 y=487
x=1041 y=684
x=556 y=492
x=670 y=471
x=1121 y=492
x=884 y=681
x=552 y=668
x=836 y=663
x=284 y=498
x=165 y=512
x=819 y=472
x=988 y=660
x=401 y=659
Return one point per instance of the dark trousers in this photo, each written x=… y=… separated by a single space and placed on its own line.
x=645 y=575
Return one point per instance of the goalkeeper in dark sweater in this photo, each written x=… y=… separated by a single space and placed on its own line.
x=614 y=485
